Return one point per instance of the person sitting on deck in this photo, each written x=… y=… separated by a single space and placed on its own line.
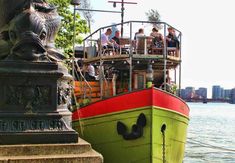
x=168 y=83
x=139 y=41
x=157 y=38
x=90 y=73
x=172 y=40
x=139 y=33
x=116 y=39
x=117 y=44
x=105 y=42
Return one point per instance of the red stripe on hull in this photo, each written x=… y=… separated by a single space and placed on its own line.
x=129 y=101
x=169 y=102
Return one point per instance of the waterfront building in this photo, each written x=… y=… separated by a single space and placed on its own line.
x=222 y=93
x=182 y=93
x=227 y=94
x=202 y=93
x=232 y=99
x=189 y=92
x=217 y=92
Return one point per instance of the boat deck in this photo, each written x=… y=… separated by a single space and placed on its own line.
x=156 y=59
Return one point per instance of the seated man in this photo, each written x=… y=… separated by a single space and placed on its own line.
x=139 y=33
x=117 y=43
x=105 y=42
x=116 y=39
x=90 y=73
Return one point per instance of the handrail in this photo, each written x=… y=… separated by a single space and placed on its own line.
x=150 y=22
x=80 y=72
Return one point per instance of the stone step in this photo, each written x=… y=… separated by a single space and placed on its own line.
x=80 y=152
x=87 y=157
x=45 y=149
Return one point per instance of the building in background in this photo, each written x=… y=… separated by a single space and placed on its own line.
x=232 y=96
x=217 y=92
x=182 y=93
x=227 y=94
x=189 y=92
x=201 y=93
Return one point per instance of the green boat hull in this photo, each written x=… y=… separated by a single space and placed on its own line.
x=153 y=146
x=101 y=132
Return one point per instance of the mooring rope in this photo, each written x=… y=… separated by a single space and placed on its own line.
x=209 y=145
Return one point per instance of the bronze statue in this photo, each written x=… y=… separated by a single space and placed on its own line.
x=36 y=88
x=27 y=30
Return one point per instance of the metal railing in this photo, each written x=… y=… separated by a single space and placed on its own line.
x=128 y=35
x=130 y=27
x=83 y=88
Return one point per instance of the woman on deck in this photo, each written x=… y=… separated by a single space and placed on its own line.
x=157 y=38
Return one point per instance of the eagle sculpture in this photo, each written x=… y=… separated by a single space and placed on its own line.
x=27 y=30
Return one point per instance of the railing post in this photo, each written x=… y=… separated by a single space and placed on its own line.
x=130 y=60
x=101 y=73
x=180 y=64
x=100 y=45
x=165 y=56
x=131 y=47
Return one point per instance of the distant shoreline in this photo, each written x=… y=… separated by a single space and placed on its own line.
x=207 y=101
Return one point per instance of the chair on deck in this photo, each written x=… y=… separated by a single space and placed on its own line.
x=124 y=45
x=140 y=45
x=104 y=51
x=156 y=47
x=172 y=51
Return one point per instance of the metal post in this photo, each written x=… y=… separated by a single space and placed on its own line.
x=101 y=73
x=175 y=74
x=122 y=17
x=122 y=11
x=130 y=73
x=180 y=64
x=130 y=57
x=131 y=47
x=100 y=45
x=101 y=70
x=74 y=40
x=165 y=56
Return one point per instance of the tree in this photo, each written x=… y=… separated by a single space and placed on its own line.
x=154 y=16
x=87 y=14
x=65 y=34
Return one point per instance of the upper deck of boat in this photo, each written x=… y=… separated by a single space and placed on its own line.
x=133 y=51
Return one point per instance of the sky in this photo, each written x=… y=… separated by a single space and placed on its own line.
x=208 y=54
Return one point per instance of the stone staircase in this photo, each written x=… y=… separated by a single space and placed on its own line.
x=80 y=152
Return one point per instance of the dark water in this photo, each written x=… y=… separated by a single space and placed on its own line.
x=211 y=133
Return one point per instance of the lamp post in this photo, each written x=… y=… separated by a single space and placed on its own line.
x=149 y=76
x=122 y=11
x=75 y=3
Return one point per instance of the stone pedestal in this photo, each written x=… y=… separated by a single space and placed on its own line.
x=34 y=99
x=81 y=152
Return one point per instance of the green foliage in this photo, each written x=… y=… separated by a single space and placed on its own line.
x=154 y=16
x=64 y=39
x=174 y=89
x=85 y=102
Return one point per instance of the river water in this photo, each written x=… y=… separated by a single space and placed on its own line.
x=211 y=133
